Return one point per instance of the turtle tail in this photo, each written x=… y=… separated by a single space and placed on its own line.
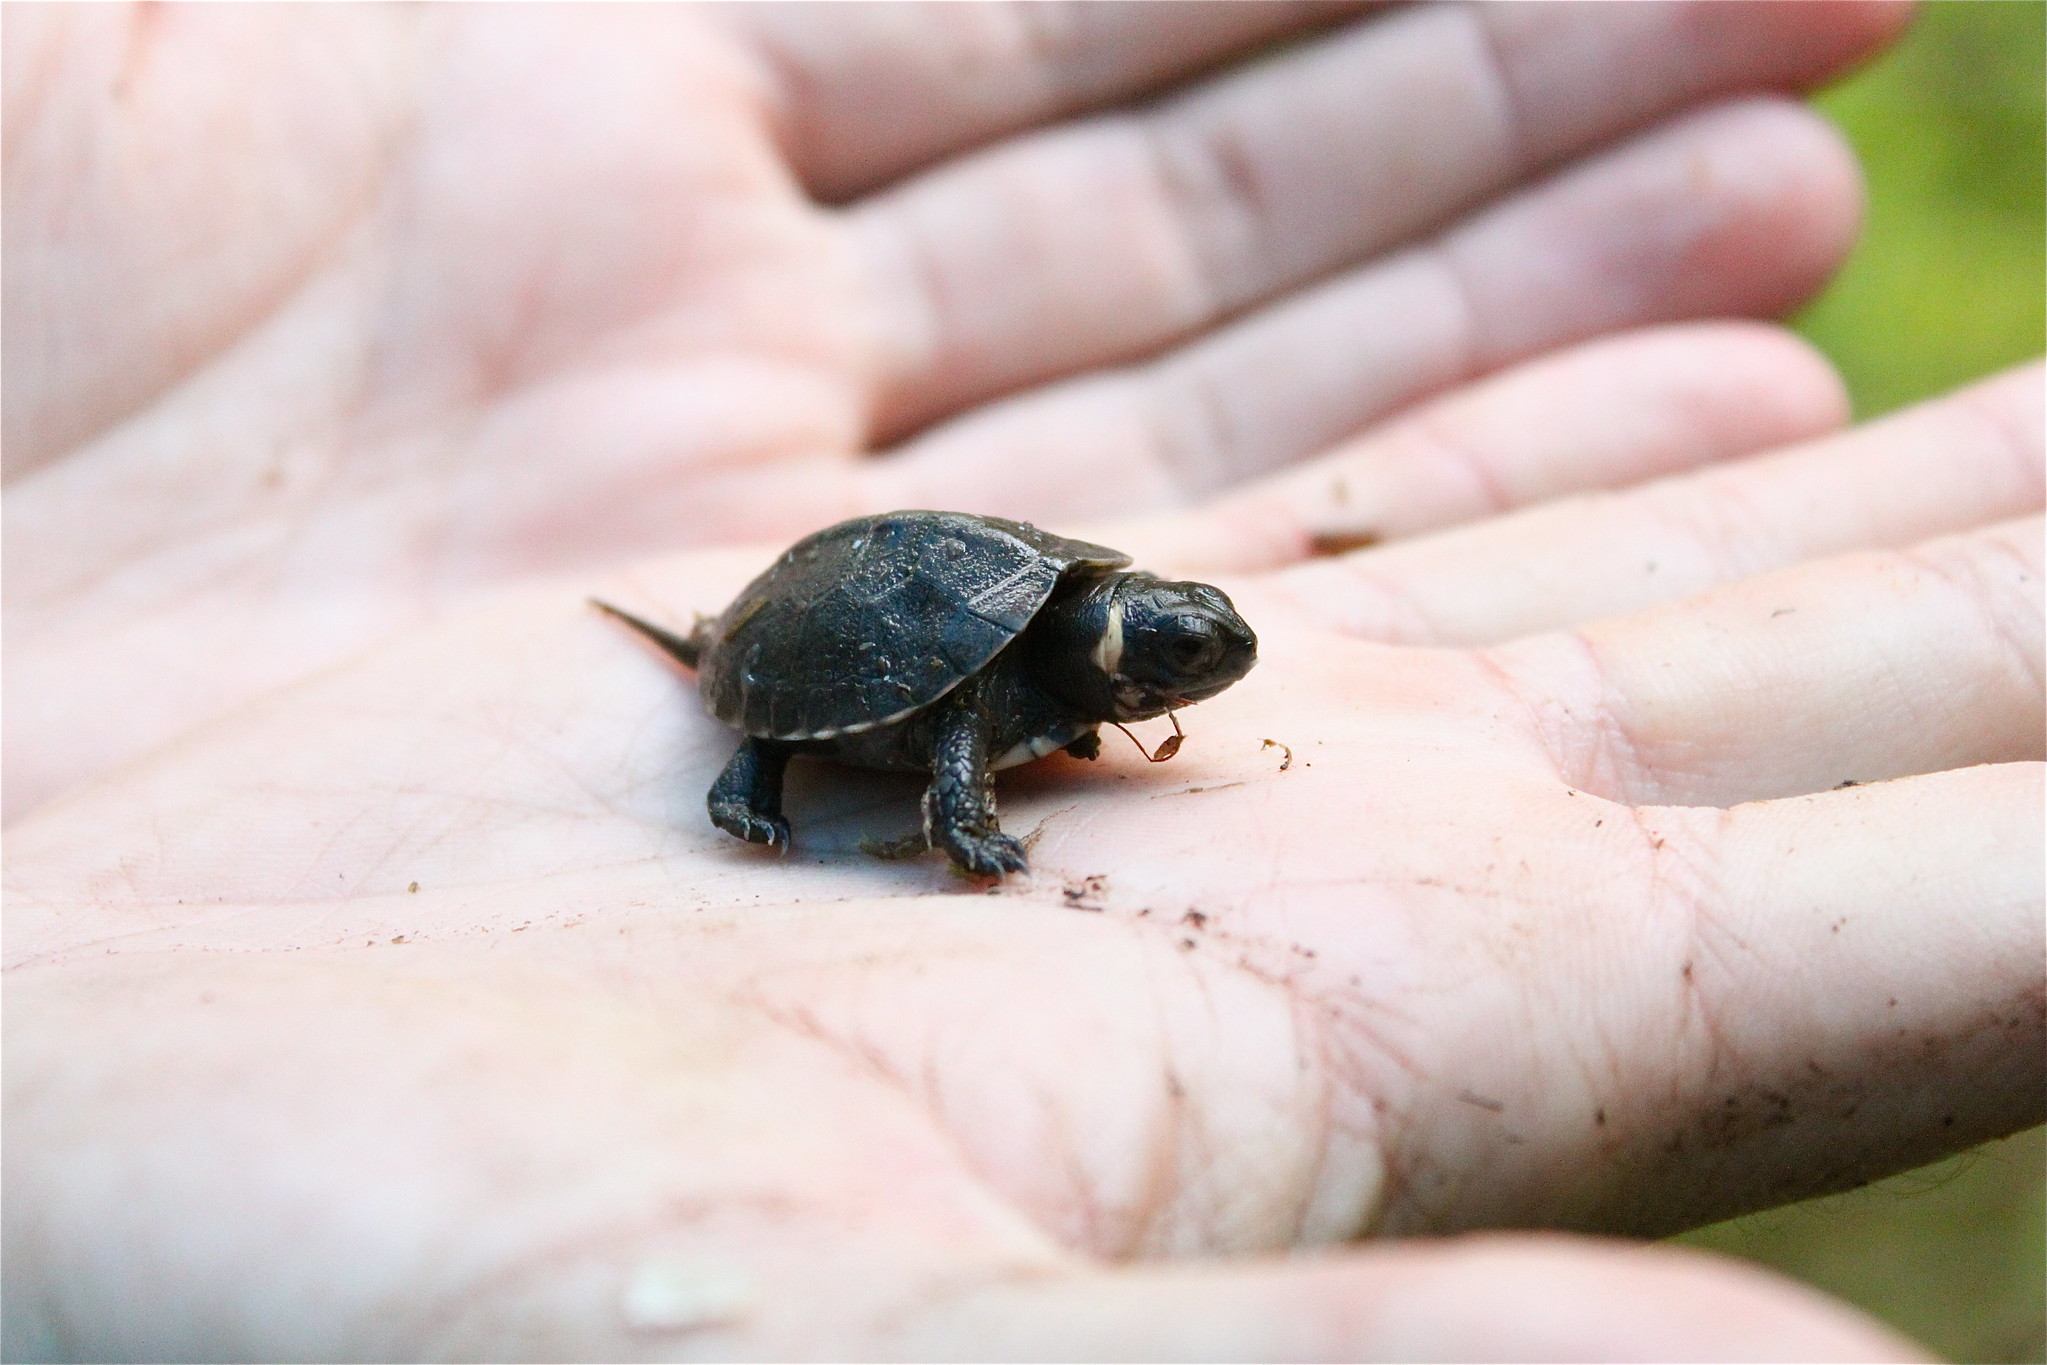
x=687 y=649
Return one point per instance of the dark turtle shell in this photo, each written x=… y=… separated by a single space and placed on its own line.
x=872 y=619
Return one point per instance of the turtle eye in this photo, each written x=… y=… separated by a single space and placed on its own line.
x=1192 y=649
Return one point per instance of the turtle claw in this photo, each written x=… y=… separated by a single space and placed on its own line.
x=746 y=800
x=988 y=855
x=755 y=828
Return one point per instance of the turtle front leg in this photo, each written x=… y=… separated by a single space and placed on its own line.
x=959 y=809
x=746 y=800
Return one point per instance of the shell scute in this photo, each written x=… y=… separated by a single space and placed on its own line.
x=873 y=619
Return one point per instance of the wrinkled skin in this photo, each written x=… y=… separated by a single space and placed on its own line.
x=376 y=988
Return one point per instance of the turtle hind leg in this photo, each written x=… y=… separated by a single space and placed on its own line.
x=959 y=809
x=746 y=800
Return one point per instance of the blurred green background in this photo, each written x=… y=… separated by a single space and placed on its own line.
x=1947 y=286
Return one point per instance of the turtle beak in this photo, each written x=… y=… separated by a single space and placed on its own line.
x=1240 y=656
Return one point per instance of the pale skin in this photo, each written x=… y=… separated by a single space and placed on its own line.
x=377 y=988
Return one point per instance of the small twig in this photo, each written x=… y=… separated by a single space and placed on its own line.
x=1169 y=746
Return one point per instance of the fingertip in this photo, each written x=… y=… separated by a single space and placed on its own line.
x=1848 y=32
x=1744 y=209
x=1758 y=384
x=1792 y=195
x=1793 y=47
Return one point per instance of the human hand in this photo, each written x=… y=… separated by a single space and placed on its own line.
x=1568 y=931
x=320 y=322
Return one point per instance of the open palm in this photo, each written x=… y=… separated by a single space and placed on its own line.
x=415 y=1008
x=1478 y=939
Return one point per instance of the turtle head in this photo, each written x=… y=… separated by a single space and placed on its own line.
x=1133 y=646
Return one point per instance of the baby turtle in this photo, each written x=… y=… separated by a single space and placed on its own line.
x=951 y=644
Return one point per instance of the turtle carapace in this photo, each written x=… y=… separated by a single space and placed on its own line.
x=951 y=644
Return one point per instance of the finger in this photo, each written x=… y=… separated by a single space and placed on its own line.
x=1546 y=1298
x=1737 y=211
x=1860 y=991
x=871 y=91
x=1785 y=999
x=1873 y=959
x=1854 y=669
x=1098 y=242
x=1606 y=414
x=1966 y=460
